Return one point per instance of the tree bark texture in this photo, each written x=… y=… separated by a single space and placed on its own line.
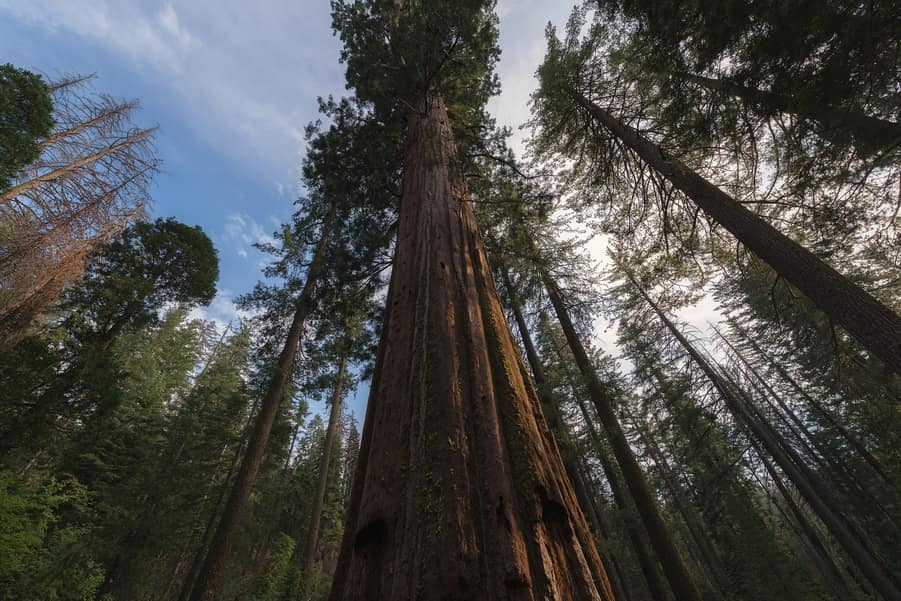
x=650 y=570
x=210 y=576
x=874 y=325
x=460 y=492
x=561 y=433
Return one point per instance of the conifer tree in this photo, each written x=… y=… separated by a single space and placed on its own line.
x=457 y=468
x=572 y=119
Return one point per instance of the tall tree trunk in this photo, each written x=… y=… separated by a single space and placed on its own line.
x=806 y=481
x=820 y=554
x=460 y=492
x=671 y=560
x=817 y=406
x=619 y=582
x=210 y=576
x=209 y=530
x=869 y=131
x=563 y=437
x=873 y=324
x=828 y=462
x=334 y=420
x=694 y=523
x=646 y=561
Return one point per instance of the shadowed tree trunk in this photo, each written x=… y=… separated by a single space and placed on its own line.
x=874 y=325
x=671 y=560
x=210 y=576
x=710 y=558
x=334 y=420
x=808 y=483
x=819 y=553
x=562 y=435
x=866 y=130
x=815 y=404
x=646 y=561
x=209 y=530
x=460 y=492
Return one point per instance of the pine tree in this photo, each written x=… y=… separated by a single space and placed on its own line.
x=565 y=92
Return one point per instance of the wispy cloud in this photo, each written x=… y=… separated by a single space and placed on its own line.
x=152 y=35
x=522 y=25
x=241 y=232
x=246 y=78
x=221 y=311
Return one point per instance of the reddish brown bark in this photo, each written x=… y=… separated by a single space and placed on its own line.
x=460 y=492
x=562 y=434
x=645 y=557
x=210 y=576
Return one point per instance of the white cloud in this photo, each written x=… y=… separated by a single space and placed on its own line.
x=243 y=76
x=221 y=311
x=147 y=36
x=241 y=232
x=522 y=24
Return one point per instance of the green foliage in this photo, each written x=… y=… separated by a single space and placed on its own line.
x=398 y=56
x=26 y=117
x=41 y=557
x=274 y=573
x=149 y=265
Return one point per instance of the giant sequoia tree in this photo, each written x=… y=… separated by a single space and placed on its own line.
x=460 y=491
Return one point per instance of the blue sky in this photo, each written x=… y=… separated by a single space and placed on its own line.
x=231 y=85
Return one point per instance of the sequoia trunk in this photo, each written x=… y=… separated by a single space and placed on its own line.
x=460 y=492
x=562 y=435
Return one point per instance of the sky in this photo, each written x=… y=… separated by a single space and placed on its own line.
x=231 y=85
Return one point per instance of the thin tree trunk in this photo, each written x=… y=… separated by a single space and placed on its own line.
x=873 y=324
x=210 y=529
x=693 y=521
x=619 y=582
x=829 y=462
x=817 y=406
x=646 y=561
x=210 y=576
x=821 y=556
x=671 y=560
x=808 y=484
x=870 y=131
x=331 y=432
x=460 y=491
